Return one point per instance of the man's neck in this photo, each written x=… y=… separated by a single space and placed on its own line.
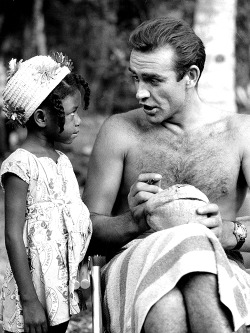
x=194 y=115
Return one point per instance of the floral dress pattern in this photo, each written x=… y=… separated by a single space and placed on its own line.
x=56 y=235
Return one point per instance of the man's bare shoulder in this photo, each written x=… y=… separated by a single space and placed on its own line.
x=239 y=130
x=233 y=122
x=120 y=131
x=132 y=120
x=242 y=119
x=240 y=122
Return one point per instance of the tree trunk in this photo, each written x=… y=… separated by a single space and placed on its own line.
x=34 y=38
x=215 y=24
x=3 y=135
x=39 y=32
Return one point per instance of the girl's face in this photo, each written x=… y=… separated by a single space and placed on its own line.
x=72 y=105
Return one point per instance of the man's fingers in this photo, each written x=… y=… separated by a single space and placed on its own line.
x=213 y=222
x=145 y=187
x=209 y=209
x=149 y=177
x=141 y=197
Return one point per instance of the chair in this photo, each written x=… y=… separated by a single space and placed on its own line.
x=96 y=262
x=89 y=279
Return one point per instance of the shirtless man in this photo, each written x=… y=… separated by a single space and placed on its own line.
x=174 y=137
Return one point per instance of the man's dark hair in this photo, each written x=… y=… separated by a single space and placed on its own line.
x=156 y=33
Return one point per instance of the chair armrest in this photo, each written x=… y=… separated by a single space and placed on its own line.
x=96 y=262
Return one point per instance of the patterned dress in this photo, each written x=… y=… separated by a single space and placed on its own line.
x=56 y=235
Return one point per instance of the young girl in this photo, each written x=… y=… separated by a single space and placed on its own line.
x=47 y=226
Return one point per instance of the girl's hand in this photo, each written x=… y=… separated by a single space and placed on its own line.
x=140 y=192
x=35 y=319
x=214 y=220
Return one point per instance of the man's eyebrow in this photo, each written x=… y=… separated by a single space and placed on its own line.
x=148 y=75
x=152 y=76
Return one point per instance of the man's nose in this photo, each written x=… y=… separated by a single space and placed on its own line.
x=142 y=92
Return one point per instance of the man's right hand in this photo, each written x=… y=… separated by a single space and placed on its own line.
x=140 y=192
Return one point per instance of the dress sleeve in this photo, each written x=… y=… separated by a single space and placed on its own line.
x=18 y=164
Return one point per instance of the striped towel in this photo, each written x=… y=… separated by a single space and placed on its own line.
x=147 y=269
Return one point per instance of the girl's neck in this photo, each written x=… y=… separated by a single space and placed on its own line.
x=39 y=146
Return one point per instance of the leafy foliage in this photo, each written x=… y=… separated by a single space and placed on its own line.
x=94 y=34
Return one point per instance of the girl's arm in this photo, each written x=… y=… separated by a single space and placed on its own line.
x=15 y=207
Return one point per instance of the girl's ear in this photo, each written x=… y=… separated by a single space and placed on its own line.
x=40 y=117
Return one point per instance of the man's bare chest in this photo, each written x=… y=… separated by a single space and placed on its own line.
x=209 y=162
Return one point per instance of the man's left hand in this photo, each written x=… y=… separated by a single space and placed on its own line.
x=213 y=220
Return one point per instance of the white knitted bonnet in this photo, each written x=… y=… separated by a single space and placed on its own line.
x=30 y=82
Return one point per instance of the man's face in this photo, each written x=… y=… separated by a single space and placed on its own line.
x=162 y=97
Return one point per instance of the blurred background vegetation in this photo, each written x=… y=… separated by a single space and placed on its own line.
x=94 y=34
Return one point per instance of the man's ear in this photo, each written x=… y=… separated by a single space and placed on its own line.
x=192 y=76
x=40 y=117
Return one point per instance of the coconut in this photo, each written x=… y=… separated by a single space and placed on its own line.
x=174 y=206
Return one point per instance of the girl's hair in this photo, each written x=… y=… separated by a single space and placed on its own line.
x=41 y=81
x=67 y=86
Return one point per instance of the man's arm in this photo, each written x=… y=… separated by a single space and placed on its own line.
x=105 y=174
x=242 y=139
x=245 y=164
